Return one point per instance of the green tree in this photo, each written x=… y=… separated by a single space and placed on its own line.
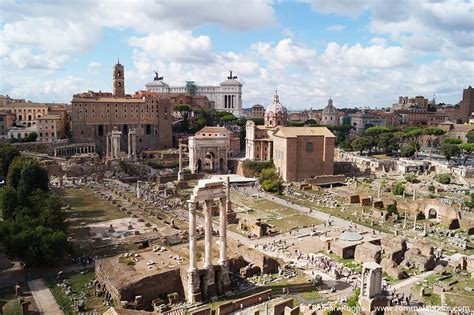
x=26 y=175
x=34 y=226
x=7 y=154
x=433 y=134
x=184 y=110
x=452 y=141
x=398 y=189
x=408 y=149
x=387 y=142
x=363 y=143
x=270 y=180
x=470 y=136
x=466 y=149
x=444 y=178
x=410 y=177
x=449 y=150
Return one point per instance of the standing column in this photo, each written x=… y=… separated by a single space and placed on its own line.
x=134 y=144
x=129 y=144
x=222 y=230
x=107 y=144
x=192 y=205
x=208 y=234
x=180 y=171
x=138 y=189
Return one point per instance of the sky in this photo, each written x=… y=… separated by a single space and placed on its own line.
x=358 y=52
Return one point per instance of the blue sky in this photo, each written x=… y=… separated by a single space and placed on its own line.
x=359 y=52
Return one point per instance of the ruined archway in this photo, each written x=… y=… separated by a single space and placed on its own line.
x=432 y=213
x=210 y=161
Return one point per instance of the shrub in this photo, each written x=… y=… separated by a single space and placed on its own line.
x=444 y=178
x=431 y=188
x=408 y=150
x=392 y=209
x=398 y=189
x=410 y=177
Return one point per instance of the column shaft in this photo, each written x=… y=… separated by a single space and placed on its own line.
x=192 y=235
x=222 y=230
x=207 y=233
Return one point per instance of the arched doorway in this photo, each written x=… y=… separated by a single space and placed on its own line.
x=221 y=165
x=210 y=161
x=199 y=165
x=420 y=216
x=432 y=214
x=100 y=130
x=125 y=129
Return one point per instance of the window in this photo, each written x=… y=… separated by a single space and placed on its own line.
x=309 y=147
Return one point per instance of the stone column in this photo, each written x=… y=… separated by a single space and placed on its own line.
x=107 y=145
x=222 y=230
x=231 y=215
x=180 y=171
x=134 y=144
x=193 y=289
x=192 y=205
x=129 y=147
x=138 y=189
x=207 y=234
x=414 y=194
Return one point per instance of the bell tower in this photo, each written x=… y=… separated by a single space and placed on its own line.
x=119 y=80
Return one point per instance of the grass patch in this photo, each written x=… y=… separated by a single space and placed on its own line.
x=87 y=208
x=296 y=220
x=78 y=283
x=8 y=296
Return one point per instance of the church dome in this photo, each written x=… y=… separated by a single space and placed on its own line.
x=275 y=107
x=330 y=109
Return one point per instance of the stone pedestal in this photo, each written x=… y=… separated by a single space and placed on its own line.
x=194 y=294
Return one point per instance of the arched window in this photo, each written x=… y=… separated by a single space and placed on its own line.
x=100 y=130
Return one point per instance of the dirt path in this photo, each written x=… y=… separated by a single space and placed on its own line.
x=44 y=298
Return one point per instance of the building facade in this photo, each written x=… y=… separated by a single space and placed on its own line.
x=225 y=97
x=94 y=115
x=6 y=122
x=303 y=152
x=257 y=111
x=297 y=152
x=50 y=128
x=366 y=119
x=329 y=116
x=466 y=107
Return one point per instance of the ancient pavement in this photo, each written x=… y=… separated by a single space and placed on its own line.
x=44 y=298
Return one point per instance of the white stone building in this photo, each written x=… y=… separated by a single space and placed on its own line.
x=225 y=97
x=329 y=115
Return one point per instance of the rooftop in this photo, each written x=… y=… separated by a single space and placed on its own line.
x=292 y=132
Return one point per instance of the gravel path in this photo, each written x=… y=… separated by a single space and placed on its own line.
x=44 y=298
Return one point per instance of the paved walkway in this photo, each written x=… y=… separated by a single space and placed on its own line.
x=44 y=298
x=412 y=280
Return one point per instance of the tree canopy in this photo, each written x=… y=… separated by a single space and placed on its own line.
x=34 y=227
x=7 y=154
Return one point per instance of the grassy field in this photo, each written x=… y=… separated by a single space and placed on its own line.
x=296 y=220
x=12 y=306
x=86 y=209
x=78 y=282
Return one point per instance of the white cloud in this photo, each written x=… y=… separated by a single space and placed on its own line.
x=93 y=67
x=352 y=8
x=336 y=28
x=370 y=57
x=285 y=53
x=180 y=46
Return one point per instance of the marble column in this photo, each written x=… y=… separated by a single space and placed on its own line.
x=107 y=145
x=138 y=189
x=414 y=194
x=223 y=230
x=180 y=171
x=192 y=205
x=207 y=234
